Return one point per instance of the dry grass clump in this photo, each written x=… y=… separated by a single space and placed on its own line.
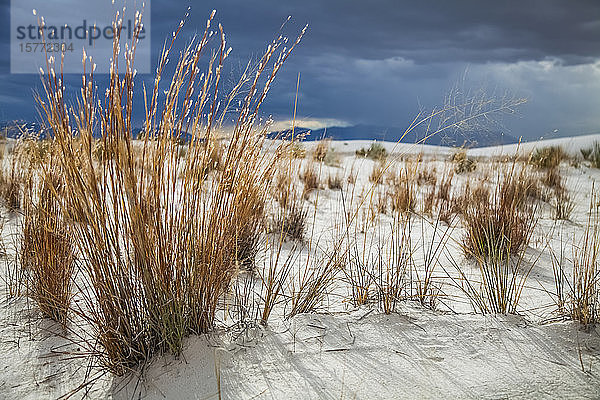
x=392 y=272
x=426 y=176
x=428 y=200
x=592 y=154
x=563 y=204
x=402 y=192
x=32 y=152
x=463 y=164
x=297 y=150
x=310 y=178
x=46 y=253
x=326 y=154
x=441 y=197
x=557 y=195
x=334 y=182
x=389 y=270
x=377 y=173
x=425 y=286
x=313 y=284
x=579 y=296
x=502 y=222
x=332 y=158
x=214 y=153
x=249 y=219
x=585 y=288
x=498 y=227
x=548 y=157
x=159 y=244
x=321 y=150
x=11 y=186
x=274 y=278
x=283 y=187
x=290 y=221
x=552 y=178
x=376 y=152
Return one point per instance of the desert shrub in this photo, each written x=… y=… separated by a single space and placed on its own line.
x=375 y=152
x=548 y=157
x=159 y=250
x=462 y=163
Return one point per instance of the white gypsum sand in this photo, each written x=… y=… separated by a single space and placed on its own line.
x=340 y=350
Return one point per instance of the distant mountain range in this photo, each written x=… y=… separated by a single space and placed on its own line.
x=18 y=128
x=393 y=134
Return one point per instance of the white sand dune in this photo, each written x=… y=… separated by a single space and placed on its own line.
x=349 y=353
x=571 y=145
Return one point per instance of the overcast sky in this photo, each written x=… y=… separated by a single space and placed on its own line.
x=379 y=62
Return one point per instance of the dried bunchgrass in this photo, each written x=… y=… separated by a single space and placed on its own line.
x=335 y=182
x=501 y=222
x=46 y=253
x=160 y=242
x=548 y=157
x=11 y=185
x=310 y=176
x=462 y=163
x=498 y=230
x=290 y=221
x=321 y=150
x=584 y=299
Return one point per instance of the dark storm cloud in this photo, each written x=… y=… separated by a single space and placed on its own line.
x=425 y=31
x=377 y=61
